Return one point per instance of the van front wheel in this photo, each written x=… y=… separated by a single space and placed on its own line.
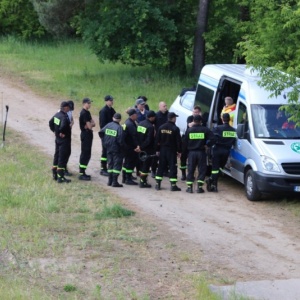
x=252 y=192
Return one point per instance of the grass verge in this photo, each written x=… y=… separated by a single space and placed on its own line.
x=77 y=241
x=69 y=70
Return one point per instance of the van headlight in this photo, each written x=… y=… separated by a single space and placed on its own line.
x=269 y=164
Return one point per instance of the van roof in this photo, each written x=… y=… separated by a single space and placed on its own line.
x=233 y=70
x=248 y=79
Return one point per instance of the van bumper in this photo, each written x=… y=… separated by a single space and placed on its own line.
x=270 y=184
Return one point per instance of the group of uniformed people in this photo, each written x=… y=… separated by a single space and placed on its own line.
x=147 y=140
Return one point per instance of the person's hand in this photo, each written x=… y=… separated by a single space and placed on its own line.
x=157 y=153
x=61 y=135
x=137 y=149
x=178 y=155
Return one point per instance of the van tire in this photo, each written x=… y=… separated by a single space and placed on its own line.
x=252 y=192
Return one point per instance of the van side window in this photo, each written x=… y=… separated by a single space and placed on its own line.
x=204 y=97
x=187 y=101
x=242 y=117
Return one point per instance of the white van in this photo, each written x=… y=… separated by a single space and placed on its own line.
x=266 y=156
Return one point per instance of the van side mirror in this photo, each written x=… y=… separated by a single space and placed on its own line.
x=240 y=131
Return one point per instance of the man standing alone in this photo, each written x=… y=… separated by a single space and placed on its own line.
x=105 y=116
x=86 y=124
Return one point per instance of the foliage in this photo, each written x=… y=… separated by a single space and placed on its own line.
x=271 y=47
x=225 y=30
x=17 y=17
x=57 y=15
x=138 y=32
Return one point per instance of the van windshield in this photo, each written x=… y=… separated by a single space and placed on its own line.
x=271 y=123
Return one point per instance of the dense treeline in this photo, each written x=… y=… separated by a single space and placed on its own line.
x=170 y=33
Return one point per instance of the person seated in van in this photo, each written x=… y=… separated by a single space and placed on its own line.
x=229 y=108
x=274 y=121
x=183 y=158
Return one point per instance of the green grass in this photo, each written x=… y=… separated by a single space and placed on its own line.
x=68 y=70
x=77 y=241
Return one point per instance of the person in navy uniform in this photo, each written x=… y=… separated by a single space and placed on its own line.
x=168 y=144
x=60 y=125
x=197 y=138
x=113 y=139
x=86 y=124
x=225 y=136
x=105 y=116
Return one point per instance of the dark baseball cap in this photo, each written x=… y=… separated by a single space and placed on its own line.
x=139 y=101
x=117 y=116
x=197 y=118
x=86 y=100
x=172 y=115
x=71 y=104
x=131 y=112
x=151 y=113
x=108 y=98
x=143 y=98
x=65 y=104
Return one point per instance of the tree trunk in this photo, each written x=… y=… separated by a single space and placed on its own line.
x=199 y=44
x=177 y=58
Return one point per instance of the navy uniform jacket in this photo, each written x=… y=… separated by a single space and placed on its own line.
x=130 y=134
x=168 y=135
x=84 y=117
x=106 y=115
x=225 y=136
x=60 y=123
x=146 y=136
x=112 y=137
x=197 y=137
x=160 y=119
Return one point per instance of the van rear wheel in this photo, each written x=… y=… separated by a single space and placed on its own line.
x=252 y=192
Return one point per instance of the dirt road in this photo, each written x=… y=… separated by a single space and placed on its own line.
x=241 y=240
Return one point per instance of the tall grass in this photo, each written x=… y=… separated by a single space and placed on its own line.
x=70 y=70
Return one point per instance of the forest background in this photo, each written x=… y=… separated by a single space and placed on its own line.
x=176 y=36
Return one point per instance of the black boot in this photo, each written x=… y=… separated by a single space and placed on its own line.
x=123 y=176
x=157 y=186
x=200 y=190
x=189 y=188
x=103 y=170
x=67 y=173
x=115 y=182
x=208 y=184
x=85 y=177
x=143 y=182
x=175 y=188
x=54 y=173
x=110 y=179
x=61 y=176
x=183 y=174
x=214 y=186
x=129 y=180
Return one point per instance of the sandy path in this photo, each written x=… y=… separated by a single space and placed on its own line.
x=242 y=239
